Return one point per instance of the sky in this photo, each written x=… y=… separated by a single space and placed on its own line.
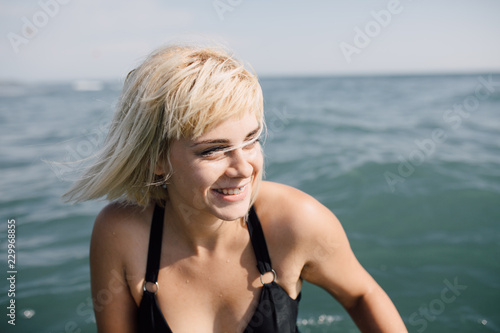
x=54 y=40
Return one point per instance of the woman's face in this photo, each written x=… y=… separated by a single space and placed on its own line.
x=211 y=178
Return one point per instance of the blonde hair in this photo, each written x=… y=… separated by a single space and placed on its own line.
x=177 y=92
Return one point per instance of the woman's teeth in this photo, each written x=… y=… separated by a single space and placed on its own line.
x=231 y=191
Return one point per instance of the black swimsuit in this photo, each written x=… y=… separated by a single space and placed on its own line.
x=276 y=312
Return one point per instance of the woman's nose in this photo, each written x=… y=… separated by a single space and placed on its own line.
x=240 y=165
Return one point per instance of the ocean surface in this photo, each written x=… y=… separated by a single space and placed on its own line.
x=409 y=164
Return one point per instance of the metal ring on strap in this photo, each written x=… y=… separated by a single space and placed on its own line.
x=274 y=278
x=157 y=287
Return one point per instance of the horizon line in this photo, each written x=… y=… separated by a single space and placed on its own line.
x=6 y=81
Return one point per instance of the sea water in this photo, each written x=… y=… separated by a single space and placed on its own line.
x=409 y=164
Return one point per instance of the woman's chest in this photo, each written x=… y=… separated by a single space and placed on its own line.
x=213 y=294
x=219 y=295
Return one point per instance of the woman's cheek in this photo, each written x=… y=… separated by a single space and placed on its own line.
x=210 y=172
x=258 y=158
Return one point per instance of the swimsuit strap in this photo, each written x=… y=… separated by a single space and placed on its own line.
x=155 y=240
x=258 y=242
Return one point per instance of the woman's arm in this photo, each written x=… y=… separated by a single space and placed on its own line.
x=375 y=312
x=330 y=263
x=114 y=307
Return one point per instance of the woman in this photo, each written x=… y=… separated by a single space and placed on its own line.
x=194 y=240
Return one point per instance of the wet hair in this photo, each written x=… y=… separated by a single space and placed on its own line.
x=177 y=92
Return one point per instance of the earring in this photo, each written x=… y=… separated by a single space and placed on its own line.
x=165 y=182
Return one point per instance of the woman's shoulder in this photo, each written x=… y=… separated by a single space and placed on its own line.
x=287 y=201
x=118 y=225
x=120 y=216
x=291 y=212
x=299 y=230
x=118 y=251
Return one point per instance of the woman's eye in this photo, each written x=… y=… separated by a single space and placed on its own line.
x=215 y=150
x=211 y=151
x=252 y=143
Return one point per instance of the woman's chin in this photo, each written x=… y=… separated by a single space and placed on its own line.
x=232 y=212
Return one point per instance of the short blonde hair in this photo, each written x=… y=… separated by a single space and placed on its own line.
x=177 y=92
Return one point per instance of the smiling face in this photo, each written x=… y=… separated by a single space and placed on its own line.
x=217 y=172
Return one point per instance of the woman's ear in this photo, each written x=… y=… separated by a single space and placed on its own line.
x=160 y=168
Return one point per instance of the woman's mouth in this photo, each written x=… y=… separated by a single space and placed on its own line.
x=231 y=191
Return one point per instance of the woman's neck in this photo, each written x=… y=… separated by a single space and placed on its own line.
x=200 y=231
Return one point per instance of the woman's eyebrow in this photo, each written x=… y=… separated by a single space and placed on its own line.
x=253 y=133
x=225 y=141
